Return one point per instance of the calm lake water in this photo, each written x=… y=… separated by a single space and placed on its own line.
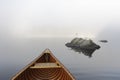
x=17 y=53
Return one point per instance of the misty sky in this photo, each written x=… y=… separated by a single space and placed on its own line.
x=57 y=18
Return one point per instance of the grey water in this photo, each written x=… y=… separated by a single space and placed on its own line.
x=17 y=53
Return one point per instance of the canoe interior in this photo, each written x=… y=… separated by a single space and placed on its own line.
x=44 y=68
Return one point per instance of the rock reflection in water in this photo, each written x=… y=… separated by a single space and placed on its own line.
x=86 y=46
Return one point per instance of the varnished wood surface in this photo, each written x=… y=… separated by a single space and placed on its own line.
x=45 y=67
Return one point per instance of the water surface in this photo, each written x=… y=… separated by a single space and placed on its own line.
x=17 y=53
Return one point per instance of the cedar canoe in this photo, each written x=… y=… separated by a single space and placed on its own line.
x=44 y=67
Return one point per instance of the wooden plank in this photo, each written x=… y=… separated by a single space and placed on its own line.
x=46 y=65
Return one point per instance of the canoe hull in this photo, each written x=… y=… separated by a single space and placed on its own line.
x=45 y=67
